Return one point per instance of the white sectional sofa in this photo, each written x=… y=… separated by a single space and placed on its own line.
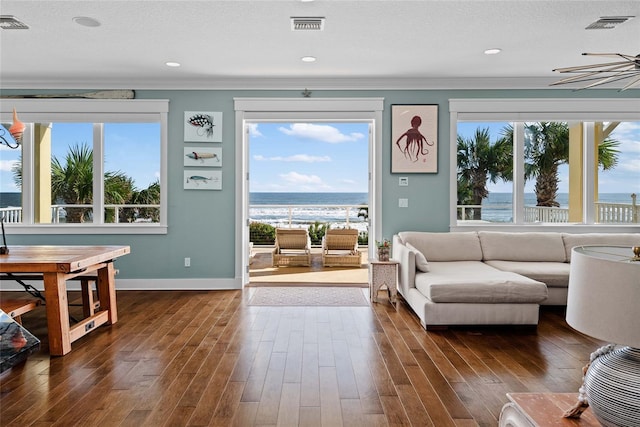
x=487 y=277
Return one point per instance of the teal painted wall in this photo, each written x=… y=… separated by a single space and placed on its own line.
x=202 y=224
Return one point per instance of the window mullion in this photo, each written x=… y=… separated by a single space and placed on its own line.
x=589 y=173
x=28 y=176
x=518 y=173
x=98 y=173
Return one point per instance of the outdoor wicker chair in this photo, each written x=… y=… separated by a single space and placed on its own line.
x=293 y=247
x=340 y=248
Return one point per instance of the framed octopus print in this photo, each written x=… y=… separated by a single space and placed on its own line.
x=202 y=126
x=414 y=139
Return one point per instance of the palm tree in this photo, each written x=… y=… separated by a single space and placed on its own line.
x=546 y=148
x=479 y=161
x=72 y=183
x=148 y=196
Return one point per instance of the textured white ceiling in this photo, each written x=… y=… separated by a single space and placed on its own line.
x=249 y=44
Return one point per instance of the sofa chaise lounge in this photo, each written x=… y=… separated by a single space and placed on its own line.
x=486 y=277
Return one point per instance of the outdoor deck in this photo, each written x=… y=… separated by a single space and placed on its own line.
x=262 y=272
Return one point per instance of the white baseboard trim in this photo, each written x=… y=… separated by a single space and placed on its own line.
x=145 y=284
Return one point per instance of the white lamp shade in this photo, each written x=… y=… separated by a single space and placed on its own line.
x=604 y=294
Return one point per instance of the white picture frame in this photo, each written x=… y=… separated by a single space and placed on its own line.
x=202 y=179
x=202 y=126
x=414 y=138
x=209 y=157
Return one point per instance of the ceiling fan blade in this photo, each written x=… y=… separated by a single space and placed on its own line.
x=631 y=84
x=605 y=80
x=622 y=55
x=576 y=79
x=587 y=75
x=604 y=73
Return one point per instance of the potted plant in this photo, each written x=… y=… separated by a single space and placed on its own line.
x=384 y=247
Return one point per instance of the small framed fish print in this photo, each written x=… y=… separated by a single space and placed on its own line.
x=202 y=179
x=210 y=157
x=202 y=126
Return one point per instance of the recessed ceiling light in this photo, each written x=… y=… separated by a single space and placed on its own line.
x=85 y=21
x=308 y=59
x=492 y=51
x=172 y=64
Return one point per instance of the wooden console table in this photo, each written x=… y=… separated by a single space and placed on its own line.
x=57 y=264
x=543 y=410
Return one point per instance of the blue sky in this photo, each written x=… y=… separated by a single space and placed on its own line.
x=624 y=178
x=309 y=157
x=299 y=157
x=132 y=148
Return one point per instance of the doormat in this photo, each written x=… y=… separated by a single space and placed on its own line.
x=309 y=296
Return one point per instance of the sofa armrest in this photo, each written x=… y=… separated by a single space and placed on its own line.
x=407 y=267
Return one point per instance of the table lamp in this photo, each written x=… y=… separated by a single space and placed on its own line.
x=603 y=302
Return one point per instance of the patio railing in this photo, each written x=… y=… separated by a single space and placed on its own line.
x=606 y=213
x=289 y=216
x=58 y=213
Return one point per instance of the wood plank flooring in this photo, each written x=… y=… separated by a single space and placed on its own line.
x=209 y=359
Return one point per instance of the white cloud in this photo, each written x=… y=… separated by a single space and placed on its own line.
x=323 y=133
x=630 y=165
x=298 y=178
x=295 y=158
x=253 y=130
x=628 y=127
x=6 y=165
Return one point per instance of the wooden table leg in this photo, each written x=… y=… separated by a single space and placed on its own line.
x=107 y=291
x=88 y=305
x=55 y=291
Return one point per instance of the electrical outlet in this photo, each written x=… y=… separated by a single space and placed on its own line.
x=187 y=262
x=403 y=203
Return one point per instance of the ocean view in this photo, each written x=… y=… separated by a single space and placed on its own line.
x=10 y=200
x=495 y=208
x=279 y=216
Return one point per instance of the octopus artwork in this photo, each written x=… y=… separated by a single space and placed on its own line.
x=414 y=145
x=204 y=122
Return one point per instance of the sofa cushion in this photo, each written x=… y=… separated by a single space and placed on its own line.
x=531 y=246
x=477 y=282
x=552 y=274
x=421 y=262
x=616 y=239
x=463 y=246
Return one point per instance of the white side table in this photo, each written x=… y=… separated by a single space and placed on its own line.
x=383 y=273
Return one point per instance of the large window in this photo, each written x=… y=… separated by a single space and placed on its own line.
x=85 y=166
x=545 y=163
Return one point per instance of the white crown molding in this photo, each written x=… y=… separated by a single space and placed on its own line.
x=344 y=83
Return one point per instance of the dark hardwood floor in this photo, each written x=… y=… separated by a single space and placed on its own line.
x=208 y=358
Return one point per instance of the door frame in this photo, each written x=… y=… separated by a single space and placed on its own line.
x=299 y=109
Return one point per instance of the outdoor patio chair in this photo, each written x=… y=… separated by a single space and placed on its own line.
x=293 y=247
x=340 y=248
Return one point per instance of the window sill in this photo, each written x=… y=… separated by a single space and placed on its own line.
x=565 y=228
x=87 y=229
